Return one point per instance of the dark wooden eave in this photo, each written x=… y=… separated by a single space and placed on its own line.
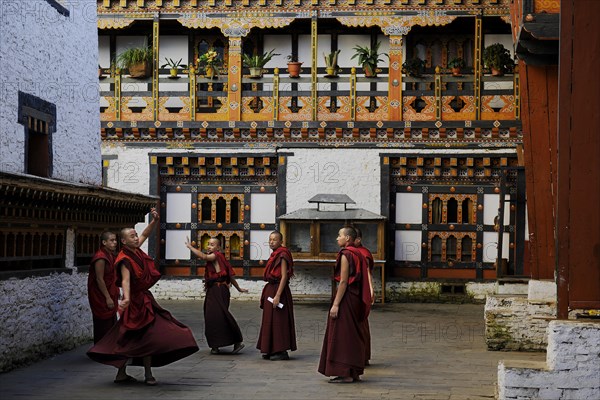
x=537 y=44
x=27 y=200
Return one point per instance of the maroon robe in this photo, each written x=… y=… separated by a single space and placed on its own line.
x=343 y=352
x=103 y=317
x=366 y=331
x=277 y=330
x=220 y=327
x=145 y=328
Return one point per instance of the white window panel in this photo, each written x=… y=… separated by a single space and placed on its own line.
x=262 y=210
x=259 y=245
x=175 y=245
x=490 y=246
x=409 y=209
x=179 y=207
x=408 y=246
x=491 y=203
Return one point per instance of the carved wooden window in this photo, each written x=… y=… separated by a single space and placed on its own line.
x=25 y=250
x=467 y=249
x=452 y=208
x=451 y=248
x=435 y=249
x=206 y=210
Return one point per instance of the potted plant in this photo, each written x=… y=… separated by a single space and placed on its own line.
x=413 y=67
x=137 y=61
x=331 y=66
x=294 y=66
x=497 y=58
x=256 y=62
x=368 y=57
x=455 y=65
x=174 y=66
x=211 y=62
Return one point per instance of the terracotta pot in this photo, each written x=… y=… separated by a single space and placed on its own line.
x=497 y=72
x=141 y=70
x=456 y=71
x=294 y=69
x=370 y=72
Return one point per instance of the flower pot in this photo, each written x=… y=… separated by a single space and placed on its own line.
x=173 y=72
x=100 y=74
x=331 y=71
x=294 y=69
x=497 y=72
x=210 y=72
x=255 y=72
x=140 y=70
x=370 y=72
x=456 y=71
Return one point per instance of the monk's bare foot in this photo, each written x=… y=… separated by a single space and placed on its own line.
x=341 y=379
x=150 y=381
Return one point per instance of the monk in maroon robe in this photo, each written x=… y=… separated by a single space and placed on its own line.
x=343 y=353
x=370 y=262
x=220 y=327
x=145 y=333
x=103 y=292
x=277 y=330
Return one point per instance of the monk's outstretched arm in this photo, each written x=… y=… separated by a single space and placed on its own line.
x=146 y=233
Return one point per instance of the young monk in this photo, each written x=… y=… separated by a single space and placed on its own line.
x=343 y=353
x=220 y=327
x=277 y=330
x=370 y=262
x=103 y=292
x=145 y=333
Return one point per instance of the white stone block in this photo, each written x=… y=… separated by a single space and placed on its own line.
x=541 y=290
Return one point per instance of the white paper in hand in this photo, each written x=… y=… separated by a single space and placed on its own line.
x=280 y=305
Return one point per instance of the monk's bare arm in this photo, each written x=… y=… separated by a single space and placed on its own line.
x=282 y=283
x=342 y=286
x=126 y=285
x=237 y=286
x=99 y=268
x=146 y=233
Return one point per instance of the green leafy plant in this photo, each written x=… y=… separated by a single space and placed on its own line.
x=456 y=62
x=135 y=55
x=497 y=57
x=292 y=58
x=331 y=59
x=258 y=60
x=413 y=67
x=173 y=64
x=368 y=57
x=136 y=60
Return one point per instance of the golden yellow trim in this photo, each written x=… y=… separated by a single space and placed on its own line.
x=153 y=160
x=477 y=67
x=106 y=163
x=313 y=72
x=114 y=23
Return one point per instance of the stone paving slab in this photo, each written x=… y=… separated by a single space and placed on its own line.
x=419 y=351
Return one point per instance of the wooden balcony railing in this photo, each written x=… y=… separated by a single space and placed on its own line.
x=274 y=97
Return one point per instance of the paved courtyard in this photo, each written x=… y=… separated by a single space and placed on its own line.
x=419 y=351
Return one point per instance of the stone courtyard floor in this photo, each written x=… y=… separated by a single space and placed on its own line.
x=419 y=351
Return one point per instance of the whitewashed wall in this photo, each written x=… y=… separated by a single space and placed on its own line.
x=354 y=172
x=52 y=57
x=42 y=316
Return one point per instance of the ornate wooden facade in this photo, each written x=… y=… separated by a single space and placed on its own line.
x=436 y=115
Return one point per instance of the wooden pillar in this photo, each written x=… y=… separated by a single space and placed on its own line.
x=477 y=70
x=539 y=113
x=313 y=69
x=155 y=66
x=234 y=78
x=578 y=191
x=395 y=79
